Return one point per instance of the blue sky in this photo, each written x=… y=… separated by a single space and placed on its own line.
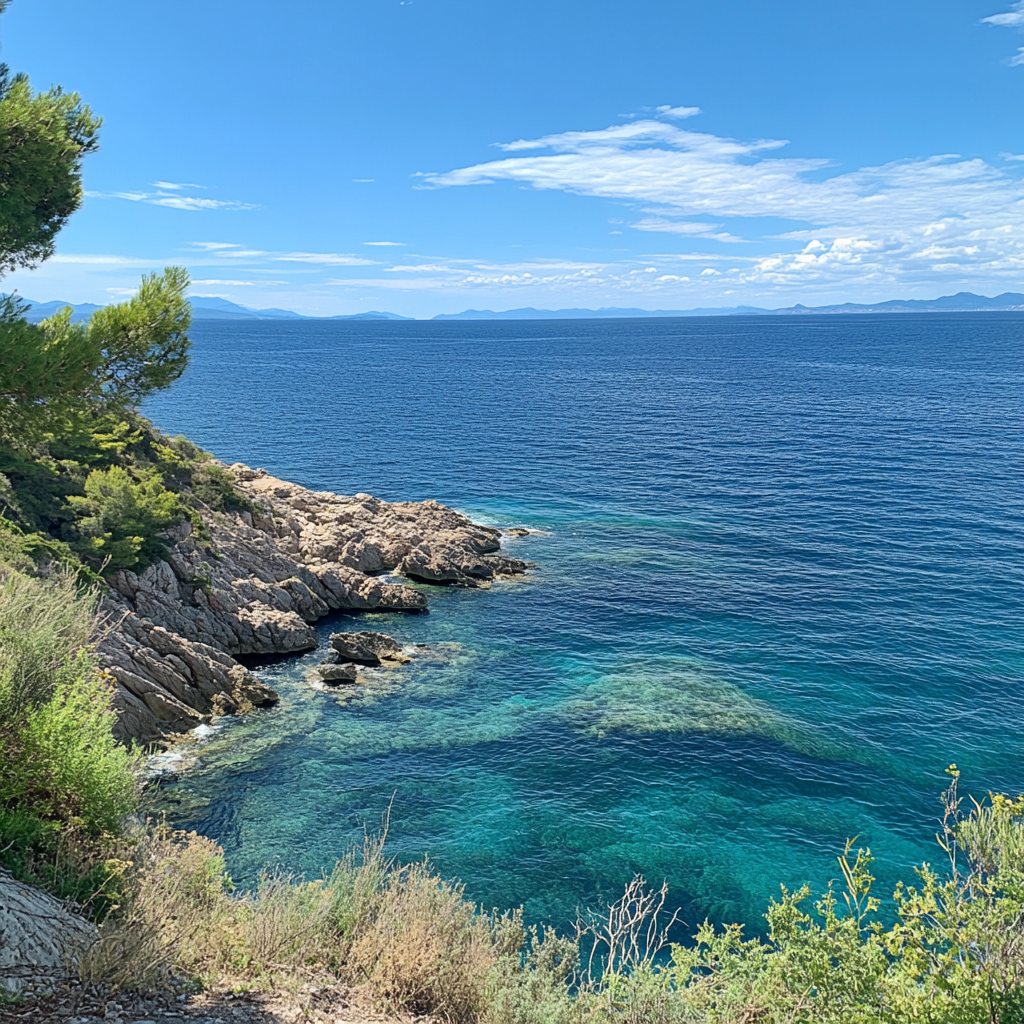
x=539 y=153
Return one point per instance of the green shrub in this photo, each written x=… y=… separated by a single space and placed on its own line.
x=97 y=495
x=65 y=784
x=214 y=487
x=120 y=519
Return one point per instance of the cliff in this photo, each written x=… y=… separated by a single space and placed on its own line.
x=255 y=582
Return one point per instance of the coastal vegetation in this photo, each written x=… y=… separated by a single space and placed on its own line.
x=88 y=488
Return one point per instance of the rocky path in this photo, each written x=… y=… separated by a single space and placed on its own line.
x=76 y=1004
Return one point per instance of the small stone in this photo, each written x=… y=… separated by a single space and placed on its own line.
x=335 y=675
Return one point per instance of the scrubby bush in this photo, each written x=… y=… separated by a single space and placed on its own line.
x=65 y=785
x=413 y=941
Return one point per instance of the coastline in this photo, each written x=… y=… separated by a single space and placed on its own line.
x=254 y=582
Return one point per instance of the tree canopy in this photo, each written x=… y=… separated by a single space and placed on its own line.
x=43 y=137
x=57 y=370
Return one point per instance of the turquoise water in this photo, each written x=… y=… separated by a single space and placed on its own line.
x=780 y=587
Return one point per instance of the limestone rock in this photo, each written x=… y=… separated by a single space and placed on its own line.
x=368 y=648
x=40 y=939
x=255 y=582
x=335 y=675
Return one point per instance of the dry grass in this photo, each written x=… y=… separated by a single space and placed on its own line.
x=409 y=939
x=425 y=949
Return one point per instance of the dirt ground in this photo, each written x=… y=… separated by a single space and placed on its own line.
x=86 y=1005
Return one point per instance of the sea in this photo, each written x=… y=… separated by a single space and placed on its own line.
x=778 y=590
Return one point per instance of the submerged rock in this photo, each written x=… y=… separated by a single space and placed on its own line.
x=255 y=582
x=368 y=648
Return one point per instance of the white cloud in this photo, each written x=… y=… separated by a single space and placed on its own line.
x=239 y=284
x=383 y=243
x=1013 y=18
x=239 y=253
x=886 y=218
x=167 y=195
x=678 y=112
x=327 y=259
x=676 y=227
x=173 y=185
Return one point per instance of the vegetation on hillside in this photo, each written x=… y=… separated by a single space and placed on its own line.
x=65 y=785
x=955 y=953
x=87 y=487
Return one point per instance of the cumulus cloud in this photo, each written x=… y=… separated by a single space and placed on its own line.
x=937 y=214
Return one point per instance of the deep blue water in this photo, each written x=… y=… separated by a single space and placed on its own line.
x=780 y=587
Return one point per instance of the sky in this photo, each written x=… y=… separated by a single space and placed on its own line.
x=429 y=156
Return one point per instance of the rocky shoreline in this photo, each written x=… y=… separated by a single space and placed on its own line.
x=255 y=582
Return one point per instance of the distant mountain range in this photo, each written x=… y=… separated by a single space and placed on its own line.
x=962 y=301
x=210 y=308
x=205 y=307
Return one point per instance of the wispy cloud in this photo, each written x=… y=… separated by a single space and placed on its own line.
x=237 y=253
x=239 y=284
x=168 y=194
x=175 y=186
x=383 y=243
x=1013 y=18
x=101 y=260
x=327 y=259
x=939 y=214
x=678 y=112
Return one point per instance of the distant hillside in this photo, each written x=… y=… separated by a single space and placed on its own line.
x=41 y=310
x=208 y=307
x=529 y=313
x=962 y=301
x=205 y=307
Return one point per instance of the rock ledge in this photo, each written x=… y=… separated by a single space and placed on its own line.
x=255 y=582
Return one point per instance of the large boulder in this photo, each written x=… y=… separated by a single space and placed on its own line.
x=40 y=938
x=368 y=648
